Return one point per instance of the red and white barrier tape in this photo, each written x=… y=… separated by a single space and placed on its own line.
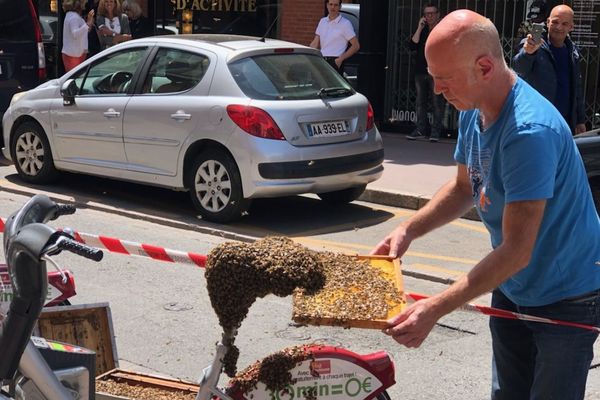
x=175 y=256
x=497 y=312
x=136 y=249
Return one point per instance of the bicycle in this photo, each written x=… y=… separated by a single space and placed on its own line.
x=28 y=245
x=323 y=372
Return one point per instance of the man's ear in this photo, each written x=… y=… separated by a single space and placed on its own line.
x=485 y=67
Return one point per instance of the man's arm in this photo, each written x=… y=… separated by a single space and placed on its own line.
x=524 y=59
x=449 y=203
x=520 y=226
x=354 y=47
x=416 y=37
x=316 y=42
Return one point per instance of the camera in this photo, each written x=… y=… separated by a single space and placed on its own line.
x=536 y=31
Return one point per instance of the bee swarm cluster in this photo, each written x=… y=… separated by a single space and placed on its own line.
x=273 y=370
x=239 y=273
x=353 y=291
x=328 y=286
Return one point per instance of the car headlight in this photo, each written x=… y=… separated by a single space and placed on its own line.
x=16 y=97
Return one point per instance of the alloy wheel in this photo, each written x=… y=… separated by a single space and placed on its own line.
x=29 y=151
x=213 y=185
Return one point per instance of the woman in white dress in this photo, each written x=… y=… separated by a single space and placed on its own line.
x=75 y=34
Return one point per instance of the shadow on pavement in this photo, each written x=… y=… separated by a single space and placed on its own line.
x=290 y=216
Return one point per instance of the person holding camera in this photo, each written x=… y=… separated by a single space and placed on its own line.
x=423 y=81
x=550 y=63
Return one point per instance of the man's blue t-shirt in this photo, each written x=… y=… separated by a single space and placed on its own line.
x=529 y=154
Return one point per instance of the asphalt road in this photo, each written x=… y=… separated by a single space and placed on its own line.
x=163 y=321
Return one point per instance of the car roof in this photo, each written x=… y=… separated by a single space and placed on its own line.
x=228 y=42
x=230 y=46
x=350 y=8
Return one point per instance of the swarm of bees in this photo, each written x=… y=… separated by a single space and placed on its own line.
x=326 y=286
x=273 y=370
x=353 y=291
x=239 y=273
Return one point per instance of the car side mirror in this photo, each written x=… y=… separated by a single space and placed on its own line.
x=68 y=91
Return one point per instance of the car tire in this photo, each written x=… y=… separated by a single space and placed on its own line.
x=215 y=186
x=343 y=196
x=31 y=154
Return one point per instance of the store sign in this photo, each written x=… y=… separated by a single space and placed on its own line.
x=586 y=14
x=217 y=5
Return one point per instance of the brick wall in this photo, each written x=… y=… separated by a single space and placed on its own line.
x=299 y=19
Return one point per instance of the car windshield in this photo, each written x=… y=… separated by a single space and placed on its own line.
x=288 y=77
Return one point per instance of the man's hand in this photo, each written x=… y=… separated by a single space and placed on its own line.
x=411 y=327
x=531 y=46
x=395 y=244
x=422 y=22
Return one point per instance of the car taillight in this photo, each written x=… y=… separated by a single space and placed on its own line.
x=255 y=121
x=370 y=118
x=41 y=62
x=40 y=43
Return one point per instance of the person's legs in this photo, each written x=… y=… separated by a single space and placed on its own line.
x=70 y=62
x=422 y=91
x=439 y=105
x=513 y=354
x=564 y=353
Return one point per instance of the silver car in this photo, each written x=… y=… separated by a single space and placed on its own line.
x=228 y=118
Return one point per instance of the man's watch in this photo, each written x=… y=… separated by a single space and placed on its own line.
x=113 y=34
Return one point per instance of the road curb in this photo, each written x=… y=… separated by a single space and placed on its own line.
x=404 y=200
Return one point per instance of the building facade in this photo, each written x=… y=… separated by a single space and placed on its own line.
x=385 y=73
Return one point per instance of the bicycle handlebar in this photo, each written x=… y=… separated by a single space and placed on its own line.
x=92 y=253
x=64 y=209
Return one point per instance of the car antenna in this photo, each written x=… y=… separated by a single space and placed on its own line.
x=262 y=39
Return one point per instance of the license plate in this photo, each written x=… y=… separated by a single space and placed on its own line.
x=333 y=128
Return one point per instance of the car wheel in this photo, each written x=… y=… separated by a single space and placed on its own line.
x=31 y=154
x=216 y=187
x=343 y=196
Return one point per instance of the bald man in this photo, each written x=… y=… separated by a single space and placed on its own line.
x=552 y=67
x=517 y=163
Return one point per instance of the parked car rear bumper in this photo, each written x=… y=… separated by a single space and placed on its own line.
x=288 y=187
x=316 y=168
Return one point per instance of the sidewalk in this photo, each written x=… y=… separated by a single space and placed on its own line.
x=414 y=170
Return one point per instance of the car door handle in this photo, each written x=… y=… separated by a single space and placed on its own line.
x=111 y=113
x=181 y=115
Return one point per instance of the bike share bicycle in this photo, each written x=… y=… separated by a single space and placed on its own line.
x=28 y=245
x=326 y=372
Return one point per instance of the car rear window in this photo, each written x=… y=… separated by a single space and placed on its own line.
x=288 y=77
x=16 y=22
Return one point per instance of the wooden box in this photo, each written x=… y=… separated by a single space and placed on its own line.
x=85 y=325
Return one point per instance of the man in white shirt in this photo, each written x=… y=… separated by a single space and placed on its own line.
x=333 y=34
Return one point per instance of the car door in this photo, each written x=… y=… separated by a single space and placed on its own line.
x=162 y=117
x=90 y=131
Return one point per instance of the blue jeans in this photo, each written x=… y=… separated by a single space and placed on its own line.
x=425 y=94
x=535 y=361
